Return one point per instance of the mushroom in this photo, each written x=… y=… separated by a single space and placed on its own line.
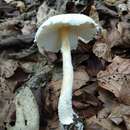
x=62 y=32
x=27 y=114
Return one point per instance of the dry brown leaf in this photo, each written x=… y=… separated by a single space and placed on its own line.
x=27 y=67
x=6 y=97
x=86 y=103
x=115 y=79
x=19 y=4
x=80 y=78
x=8 y=67
x=102 y=50
x=4 y=88
x=128 y=4
x=119 y=114
x=95 y=126
x=44 y=12
x=113 y=38
x=94 y=14
x=110 y=2
x=124 y=29
x=94 y=65
x=108 y=100
x=104 y=123
x=127 y=122
x=119 y=37
x=9 y=28
x=53 y=124
x=29 y=27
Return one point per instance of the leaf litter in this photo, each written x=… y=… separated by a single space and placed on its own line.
x=101 y=94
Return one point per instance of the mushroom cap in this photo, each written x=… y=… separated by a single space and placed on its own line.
x=48 y=34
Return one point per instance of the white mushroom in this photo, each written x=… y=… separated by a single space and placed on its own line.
x=27 y=114
x=61 y=32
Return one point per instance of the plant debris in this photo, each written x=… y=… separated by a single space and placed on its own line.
x=101 y=92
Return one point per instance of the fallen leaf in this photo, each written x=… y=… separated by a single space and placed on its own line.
x=115 y=79
x=80 y=78
x=113 y=38
x=118 y=113
x=94 y=14
x=110 y=2
x=107 y=99
x=19 y=4
x=6 y=99
x=29 y=28
x=104 y=123
x=86 y=104
x=104 y=10
x=95 y=126
x=124 y=29
x=44 y=12
x=127 y=122
x=102 y=50
x=128 y=4
x=8 y=67
x=93 y=65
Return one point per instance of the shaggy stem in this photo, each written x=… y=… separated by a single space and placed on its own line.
x=65 y=110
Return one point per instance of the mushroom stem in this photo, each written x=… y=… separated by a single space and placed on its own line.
x=65 y=110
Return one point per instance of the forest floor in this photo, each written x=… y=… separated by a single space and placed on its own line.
x=101 y=92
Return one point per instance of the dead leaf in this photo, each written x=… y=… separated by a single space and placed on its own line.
x=28 y=67
x=115 y=78
x=8 y=67
x=86 y=104
x=124 y=29
x=53 y=124
x=94 y=14
x=127 y=122
x=113 y=38
x=128 y=4
x=9 y=28
x=29 y=27
x=102 y=50
x=19 y=4
x=6 y=99
x=107 y=99
x=4 y=88
x=95 y=126
x=93 y=65
x=110 y=2
x=80 y=78
x=104 y=10
x=104 y=123
x=118 y=113
x=44 y=12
